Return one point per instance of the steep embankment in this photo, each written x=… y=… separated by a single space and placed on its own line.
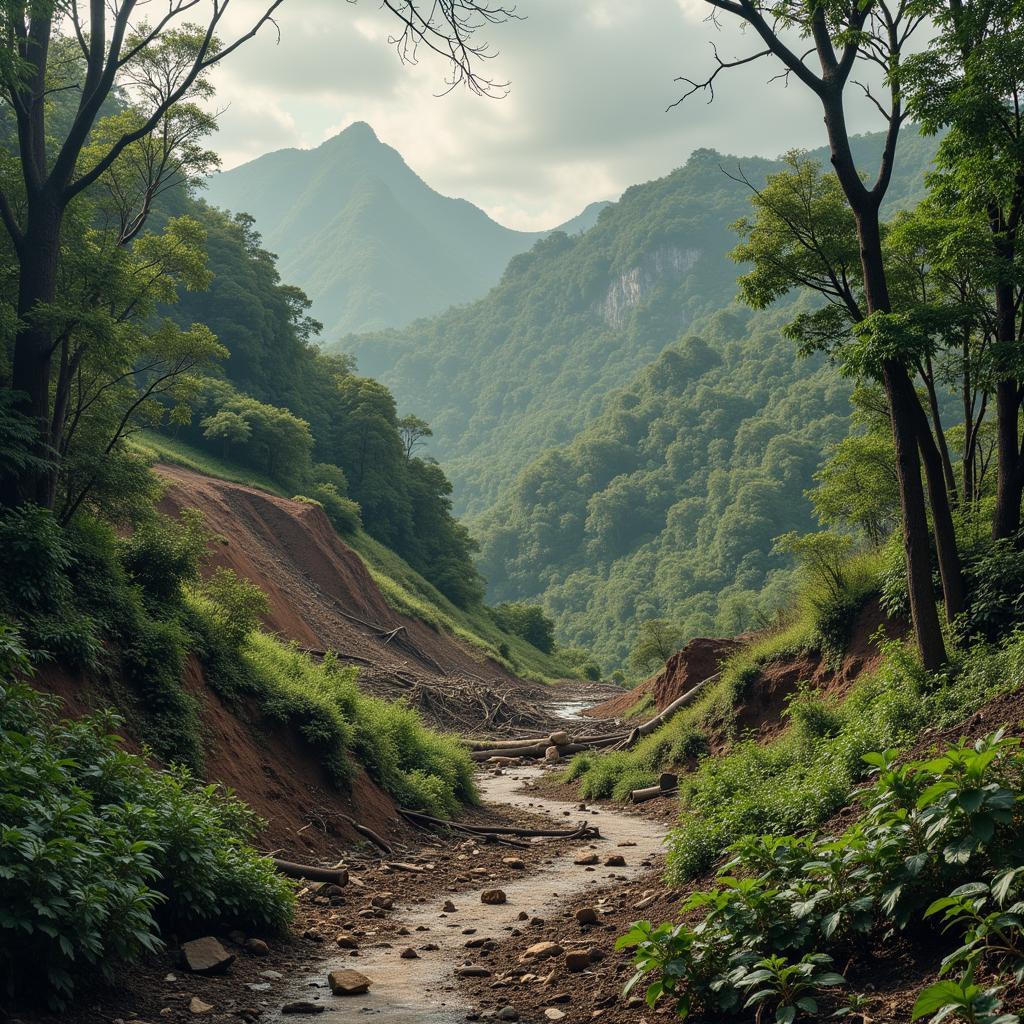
x=321 y=595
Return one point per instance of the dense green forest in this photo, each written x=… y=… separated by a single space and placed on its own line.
x=661 y=498
x=307 y=420
x=527 y=367
x=368 y=240
x=668 y=504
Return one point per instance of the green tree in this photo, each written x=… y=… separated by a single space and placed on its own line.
x=527 y=621
x=839 y=35
x=656 y=641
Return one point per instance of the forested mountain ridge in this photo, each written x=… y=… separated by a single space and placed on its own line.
x=668 y=503
x=365 y=237
x=528 y=366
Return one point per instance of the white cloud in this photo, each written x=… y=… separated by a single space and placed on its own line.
x=585 y=117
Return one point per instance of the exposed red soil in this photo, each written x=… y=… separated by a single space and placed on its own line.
x=270 y=768
x=321 y=595
x=700 y=658
x=761 y=712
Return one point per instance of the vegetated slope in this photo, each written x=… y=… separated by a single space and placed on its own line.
x=368 y=240
x=527 y=367
x=320 y=593
x=668 y=504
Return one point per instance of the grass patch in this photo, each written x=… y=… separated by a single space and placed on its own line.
x=805 y=776
x=162 y=448
x=410 y=594
x=686 y=734
x=347 y=728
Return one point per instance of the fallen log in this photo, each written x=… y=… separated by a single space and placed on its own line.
x=619 y=741
x=538 y=749
x=584 y=830
x=668 y=785
x=336 y=876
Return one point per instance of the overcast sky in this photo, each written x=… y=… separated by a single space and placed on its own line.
x=585 y=116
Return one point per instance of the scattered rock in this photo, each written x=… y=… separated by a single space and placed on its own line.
x=257 y=947
x=258 y=986
x=615 y=860
x=449 y=907
x=206 y=956
x=584 y=859
x=542 y=951
x=409 y=954
x=347 y=982
x=346 y=941
x=303 y=1006
x=513 y=862
x=586 y=915
x=493 y=896
x=577 y=960
x=472 y=971
x=197 y=1006
x=508 y=1013
x=553 y=1014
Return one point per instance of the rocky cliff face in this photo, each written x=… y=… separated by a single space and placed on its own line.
x=627 y=290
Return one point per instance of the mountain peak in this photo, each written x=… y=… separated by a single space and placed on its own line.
x=358 y=133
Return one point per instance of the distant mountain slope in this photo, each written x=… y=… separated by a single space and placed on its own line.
x=368 y=240
x=529 y=365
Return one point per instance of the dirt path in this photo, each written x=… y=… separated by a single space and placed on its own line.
x=424 y=990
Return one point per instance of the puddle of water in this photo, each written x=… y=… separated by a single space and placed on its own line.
x=423 y=991
x=572 y=710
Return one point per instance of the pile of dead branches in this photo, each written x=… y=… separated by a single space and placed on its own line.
x=560 y=744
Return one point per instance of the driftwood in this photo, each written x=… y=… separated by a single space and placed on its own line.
x=621 y=741
x=583 y=830
x=336 y=876
x=668 y=785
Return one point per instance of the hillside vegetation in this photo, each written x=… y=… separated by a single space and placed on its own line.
x=528 y=366
x=367 y=239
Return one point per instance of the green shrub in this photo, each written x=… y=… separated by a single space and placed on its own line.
x=96 y=848
x=802 y=777
x=995 y=582
x=237 y=604
x=949 y=824
x=164 y=553
x=344 y=513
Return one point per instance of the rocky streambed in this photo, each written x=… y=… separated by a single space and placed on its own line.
x=441 y=957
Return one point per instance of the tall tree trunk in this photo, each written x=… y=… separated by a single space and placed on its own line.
x=33 y=343
x=1009 y=478
x=1009 y=475
x=923 y=613
x=950 y=568
x=904 y=408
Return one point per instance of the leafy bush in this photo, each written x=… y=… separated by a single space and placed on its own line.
x=995 y=583
x=96 y=848
x=948 y=822
x=344 y=513
x=164 y=553
x=237 y=604
x=419 y=768
x=527 y=621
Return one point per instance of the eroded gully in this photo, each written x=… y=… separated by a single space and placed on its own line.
x=424 y=990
